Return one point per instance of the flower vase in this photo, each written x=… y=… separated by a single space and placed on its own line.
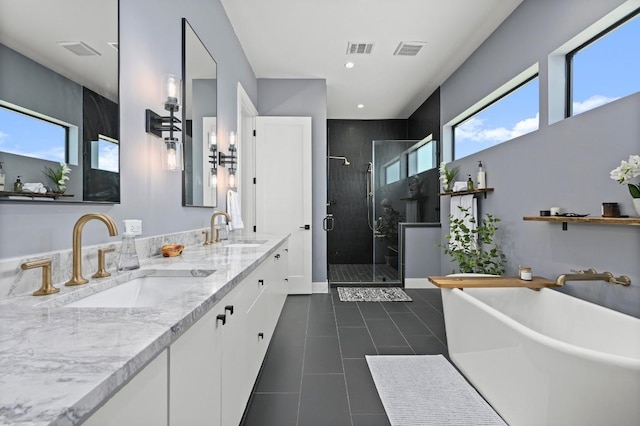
x=636 y=204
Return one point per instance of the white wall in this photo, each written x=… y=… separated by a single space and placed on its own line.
x=150 y=45
x=566 y=164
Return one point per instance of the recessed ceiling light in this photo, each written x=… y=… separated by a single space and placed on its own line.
x=360 y=106
x=349 y=65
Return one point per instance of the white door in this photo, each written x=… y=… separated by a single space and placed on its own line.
x=283 y=190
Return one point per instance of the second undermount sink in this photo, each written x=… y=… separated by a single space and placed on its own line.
x=246 y=243
x=145 y=291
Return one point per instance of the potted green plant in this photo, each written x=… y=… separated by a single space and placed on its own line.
x=474 y=248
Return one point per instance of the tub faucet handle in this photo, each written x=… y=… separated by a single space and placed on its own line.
x=584 y=271
x=622 y=280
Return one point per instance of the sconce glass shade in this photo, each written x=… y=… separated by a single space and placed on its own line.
x=232 y=139
x=232 y=180
x=213 y=178
x=172 y=155
x=171 y=92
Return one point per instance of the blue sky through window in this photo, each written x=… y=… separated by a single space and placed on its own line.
x=605 y=70
x=32 y=137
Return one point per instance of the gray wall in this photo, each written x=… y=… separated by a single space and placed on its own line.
x=28 y=84
x=305 y=97
x=150 y=45
x=566 y=164
x=420 y=252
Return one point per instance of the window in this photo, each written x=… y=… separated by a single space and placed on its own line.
x=105 y=153
x=422 y=158
x=605 y=68
x=513 y=114
x=392 y=172
x=31 y=136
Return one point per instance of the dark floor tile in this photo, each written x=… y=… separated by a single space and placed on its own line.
x=273 y=410
x=349 y=316
x=372 y=310
x=432 y=296
x=427 y=345
x=395 y=306
x=363 y=396
x=418 y=300
x=322 y=356
x=429 y=316
x=282 y=369
x=440 y=332
x=290 y=331
x=385 y=333
x=322 y=324
x=370 y=420
x=409 y=324
x=355 y=342
x=395 y=350
x=323 y=401
x=320 y=302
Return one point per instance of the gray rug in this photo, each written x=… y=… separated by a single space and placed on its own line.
x=372 y=294
x=427 y=390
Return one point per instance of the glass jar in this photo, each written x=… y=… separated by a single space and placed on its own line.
x=525 y=273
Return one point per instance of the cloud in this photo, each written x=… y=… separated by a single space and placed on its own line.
x=475 y=130
x=3 y=137
x=592 y=102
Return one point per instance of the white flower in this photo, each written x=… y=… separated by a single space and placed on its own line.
x=627 y=170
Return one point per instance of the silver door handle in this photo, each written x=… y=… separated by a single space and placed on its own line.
x=328 y=222
x=305 y=227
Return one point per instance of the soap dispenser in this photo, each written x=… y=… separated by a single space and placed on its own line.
x=482 y=178
x=469 y=184
x=128 y=254
x=17 y=186
x=2 y=177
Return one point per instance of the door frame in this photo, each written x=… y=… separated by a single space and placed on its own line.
x=246 y=140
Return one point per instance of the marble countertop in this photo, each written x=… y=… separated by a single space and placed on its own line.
x=58 y=364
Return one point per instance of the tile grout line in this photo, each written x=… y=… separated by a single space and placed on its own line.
x=400 y=331
x=304 y=351
x=344 y=372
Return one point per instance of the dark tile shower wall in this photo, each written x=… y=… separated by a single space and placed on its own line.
x=351 y=239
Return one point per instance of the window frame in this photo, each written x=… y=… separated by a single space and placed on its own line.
x=569 y=59
x=487 y=105
x=68 y=128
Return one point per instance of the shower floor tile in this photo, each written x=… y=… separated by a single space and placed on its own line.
x=361 y=273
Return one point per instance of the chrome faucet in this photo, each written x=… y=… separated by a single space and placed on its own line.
x=215 y=233
x=593 y=275
x=77 y=278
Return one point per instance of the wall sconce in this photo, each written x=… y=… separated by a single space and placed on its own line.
x=230 y=159
x=213 y=148
x=156 y=124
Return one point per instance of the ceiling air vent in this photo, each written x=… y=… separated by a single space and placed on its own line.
x=359 y=48
x=79 y=48
x=408 y=48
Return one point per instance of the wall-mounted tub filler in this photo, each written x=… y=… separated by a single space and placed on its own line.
x=345 y=163
x=593 y=275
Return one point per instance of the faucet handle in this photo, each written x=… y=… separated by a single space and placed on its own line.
x=584 y=271
x=46 y=287
x=207 y=241
x=102 y=272
x=622 y=280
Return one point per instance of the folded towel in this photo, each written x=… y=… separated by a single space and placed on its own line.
x=458 y=206
x=36 y=188
x=233 y=208
x=459 y=186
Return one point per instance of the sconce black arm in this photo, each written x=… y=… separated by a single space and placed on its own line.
x=156 y=124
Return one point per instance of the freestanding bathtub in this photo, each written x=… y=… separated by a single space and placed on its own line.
x=546 y=358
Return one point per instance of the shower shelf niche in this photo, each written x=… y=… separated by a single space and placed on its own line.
x=474 y=191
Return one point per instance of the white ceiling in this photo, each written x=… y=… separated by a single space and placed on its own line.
x=33 y=28
x=308 y=39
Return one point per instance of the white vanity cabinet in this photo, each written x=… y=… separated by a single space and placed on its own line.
x=213 y=365
x=142 y=401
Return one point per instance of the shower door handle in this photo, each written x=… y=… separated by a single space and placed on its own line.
x=328 y=222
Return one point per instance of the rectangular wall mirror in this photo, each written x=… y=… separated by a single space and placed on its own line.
x=59 y=98
x=199 y=130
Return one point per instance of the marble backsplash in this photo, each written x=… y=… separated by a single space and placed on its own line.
x=16 y=282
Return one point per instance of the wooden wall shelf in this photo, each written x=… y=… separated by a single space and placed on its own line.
x=629 y=221
x=53 y=195
x=491 y=282
x=475 y=191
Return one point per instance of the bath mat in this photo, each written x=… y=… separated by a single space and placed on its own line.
x=372 y=294
x=426 y=390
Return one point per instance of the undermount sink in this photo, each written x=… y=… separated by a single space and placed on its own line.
x=247 y=243
x=144 y=291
